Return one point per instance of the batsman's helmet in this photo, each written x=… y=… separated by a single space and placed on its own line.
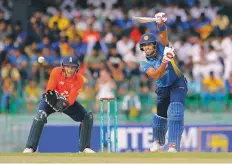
x=70 y=61
x=147 y=38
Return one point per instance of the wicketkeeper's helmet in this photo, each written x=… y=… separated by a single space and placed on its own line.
x=70 y=61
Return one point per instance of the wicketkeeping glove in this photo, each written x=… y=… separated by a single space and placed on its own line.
x=56 y=101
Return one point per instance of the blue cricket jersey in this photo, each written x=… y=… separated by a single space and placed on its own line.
x=172 y=72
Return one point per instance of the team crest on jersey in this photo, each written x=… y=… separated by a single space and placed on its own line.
x=70 y=59
x=146 y=37
x=65 y=94
x=61 y=82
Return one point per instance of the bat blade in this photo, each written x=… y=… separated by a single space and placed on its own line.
x=144 y=19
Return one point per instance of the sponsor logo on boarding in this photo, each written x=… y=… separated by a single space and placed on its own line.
x=216 y=139
x=217 y=142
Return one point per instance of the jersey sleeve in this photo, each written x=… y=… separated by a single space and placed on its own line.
x=160 y=49
x=144 y=66
x=52 y=80
x=76 y=90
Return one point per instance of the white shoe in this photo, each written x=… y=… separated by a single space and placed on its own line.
x=172 y=150
x=88 y=150
x=155 y=147
x=28 y=150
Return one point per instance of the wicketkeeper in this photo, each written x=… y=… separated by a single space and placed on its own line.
x=172 y=87
x=63 y=88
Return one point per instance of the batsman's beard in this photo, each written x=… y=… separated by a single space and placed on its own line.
x=149 y=53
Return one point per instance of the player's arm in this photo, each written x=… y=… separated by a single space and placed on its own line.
x=52 y=80
x=163 y=35
x=162 y=28
x=76 y=90
x=157 y=73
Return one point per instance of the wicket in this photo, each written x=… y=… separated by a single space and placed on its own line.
x=108 y=124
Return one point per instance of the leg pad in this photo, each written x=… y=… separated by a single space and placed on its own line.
x=175 y=123
x=85 y=133
x=36 y=129
x=159 y=125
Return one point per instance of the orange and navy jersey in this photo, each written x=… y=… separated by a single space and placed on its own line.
x=68 y=87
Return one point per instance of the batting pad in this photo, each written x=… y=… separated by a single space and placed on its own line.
x=175 y=123
x=159 y=125
x=36 y=130
x=86 y=129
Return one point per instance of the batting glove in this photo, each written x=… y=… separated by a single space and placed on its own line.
x=169 y=54
x=161 y=17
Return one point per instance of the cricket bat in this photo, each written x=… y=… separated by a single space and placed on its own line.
x=145 y=19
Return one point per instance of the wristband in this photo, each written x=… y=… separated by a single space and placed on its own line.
x=162 y=28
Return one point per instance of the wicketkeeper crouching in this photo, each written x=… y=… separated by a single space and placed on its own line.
x=63 y=88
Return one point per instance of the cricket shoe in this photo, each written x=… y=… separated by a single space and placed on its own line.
x=28 y=150
x=172 y=150
x=88 y=150
x=155 y=147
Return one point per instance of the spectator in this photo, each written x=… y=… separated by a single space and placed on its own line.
x=8 y=91
x=90 y=35
x=107 y=32
x=228 y=90
x=19 y=34
x=95 y=62
x=69 y=11
x=62 y=21
x=194 y=88
x=125 y=22
x=9 y=71
x=131 y=105
x=144 y=87
x=19 y=61
x=213 y=88
x=212 y=62
x=105 y=85
x=2 y=16
x=220 y=23
x=125 y=46
x=62 y=45
x=45 y=43
x=226 y=48
x=204 y=27
x=32 y=95
x=86 y=96
x=71 y=32
x=55 y=32
x=4 y=31
x=115 y=65
x=79 y=47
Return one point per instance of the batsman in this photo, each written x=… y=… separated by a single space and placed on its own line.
x=171 y=86
x=62 y=90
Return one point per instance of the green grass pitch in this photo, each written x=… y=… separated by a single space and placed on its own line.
x=116 y=158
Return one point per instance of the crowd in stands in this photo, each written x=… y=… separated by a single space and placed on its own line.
x=105 y=38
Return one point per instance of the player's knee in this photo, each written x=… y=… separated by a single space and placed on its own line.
x=176 y=111
x=161 y=110
x=41 y=116
x=158 y=121
x=88 y=116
